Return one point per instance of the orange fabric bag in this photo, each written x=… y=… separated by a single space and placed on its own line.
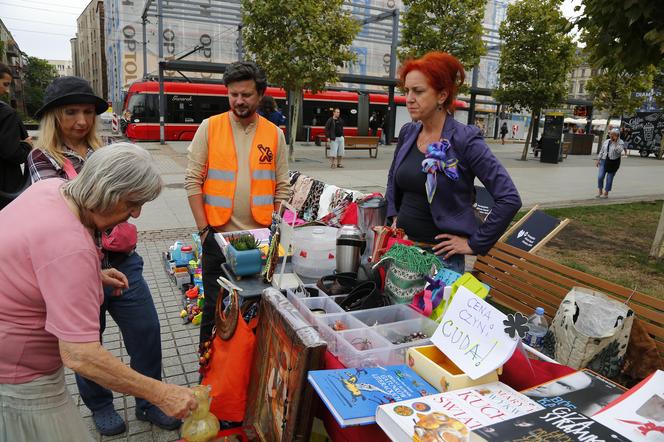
x=230 y=363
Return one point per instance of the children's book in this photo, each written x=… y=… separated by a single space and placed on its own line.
x=452 y=415
x=551 y=424
x=353 y=394
x=584 y=391
x=638 y=414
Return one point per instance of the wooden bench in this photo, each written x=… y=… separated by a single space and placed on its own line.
x=358 y=143
x=522 y=281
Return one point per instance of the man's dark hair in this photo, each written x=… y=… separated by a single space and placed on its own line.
x=4 y=69
x=246 y=70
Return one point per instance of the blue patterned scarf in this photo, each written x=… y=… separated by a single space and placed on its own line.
x=436 y=160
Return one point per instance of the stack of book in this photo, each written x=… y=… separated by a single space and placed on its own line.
x=581 y=406
x=451 y=416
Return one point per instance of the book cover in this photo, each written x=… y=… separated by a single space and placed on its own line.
x=638 y=414
x=559 y=424
x=451 y=416
x=353 y=394
x=279 y=397
x=584 y=391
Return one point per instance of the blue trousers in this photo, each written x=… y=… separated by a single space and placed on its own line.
x=600 y=177
x=136 y=316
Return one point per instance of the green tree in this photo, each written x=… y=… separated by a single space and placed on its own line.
x=629 y=32
x=535 y=59
x=38 y=75
x=453 y=26
x=658 y=85
x=613 y=90
x=299 y=43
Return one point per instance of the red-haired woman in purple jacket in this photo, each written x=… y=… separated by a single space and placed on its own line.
x=430 y=187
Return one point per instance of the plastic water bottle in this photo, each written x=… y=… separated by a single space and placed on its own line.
x=537 y=328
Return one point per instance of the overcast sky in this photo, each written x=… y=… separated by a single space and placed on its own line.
x=42 y=28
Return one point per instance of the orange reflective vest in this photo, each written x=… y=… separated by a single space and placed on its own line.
x=219 y=186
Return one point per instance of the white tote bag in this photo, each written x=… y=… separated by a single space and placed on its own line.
x=591 y=330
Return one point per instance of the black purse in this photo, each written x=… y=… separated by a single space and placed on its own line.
x=611 y=166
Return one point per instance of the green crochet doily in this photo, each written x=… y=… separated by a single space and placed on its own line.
x=413 y=258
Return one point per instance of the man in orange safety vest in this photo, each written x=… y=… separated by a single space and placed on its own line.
x=237 y=174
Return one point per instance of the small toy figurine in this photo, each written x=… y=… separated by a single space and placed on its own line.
x=201 y=425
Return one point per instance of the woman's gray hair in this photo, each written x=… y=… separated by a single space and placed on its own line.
x=118 y=172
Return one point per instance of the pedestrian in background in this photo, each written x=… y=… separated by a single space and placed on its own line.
x=608 y=162
x=374 y=123
x=268 y=109
x=334 y=131
x=384 y=126
x=503 y=132
x=15 y=144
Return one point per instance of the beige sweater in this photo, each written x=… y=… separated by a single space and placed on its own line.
x=241 y=218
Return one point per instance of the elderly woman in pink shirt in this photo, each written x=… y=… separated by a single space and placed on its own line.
x=51 y=292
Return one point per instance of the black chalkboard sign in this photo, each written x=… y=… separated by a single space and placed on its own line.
x=644 y=131
x=483 y=202
x=533 y=230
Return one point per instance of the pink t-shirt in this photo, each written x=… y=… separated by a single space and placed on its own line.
x=50 y=283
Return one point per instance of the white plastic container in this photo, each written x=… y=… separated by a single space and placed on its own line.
x=314 y=251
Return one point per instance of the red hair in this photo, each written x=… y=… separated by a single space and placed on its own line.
x=443 y=71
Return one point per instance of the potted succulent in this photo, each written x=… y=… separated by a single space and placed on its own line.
x=243 y=254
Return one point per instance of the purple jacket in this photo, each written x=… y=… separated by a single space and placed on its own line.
x=452 y=206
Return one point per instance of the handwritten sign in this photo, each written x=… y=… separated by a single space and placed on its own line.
x=471 y=333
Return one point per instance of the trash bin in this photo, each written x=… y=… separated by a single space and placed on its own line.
x=551 y=151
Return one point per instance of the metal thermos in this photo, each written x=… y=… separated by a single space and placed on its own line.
x=350 y=246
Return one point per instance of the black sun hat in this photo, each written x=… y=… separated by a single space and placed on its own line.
x=70 y=90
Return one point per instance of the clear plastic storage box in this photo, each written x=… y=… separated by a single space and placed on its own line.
x=364 y=338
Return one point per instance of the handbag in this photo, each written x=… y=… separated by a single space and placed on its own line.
x=123 y=237
x=231 y=359
x=408 y=267
x=384 y=238
x=611 y=166
x=590 y=329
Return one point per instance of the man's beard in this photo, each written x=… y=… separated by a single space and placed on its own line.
x=244 y=112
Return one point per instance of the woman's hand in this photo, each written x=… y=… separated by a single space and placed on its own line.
x=596 y=163
x=177 y=401
x=394 y=223
x=114 y=279
x=451 y=245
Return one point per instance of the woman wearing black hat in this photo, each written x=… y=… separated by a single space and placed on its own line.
x=68 y=122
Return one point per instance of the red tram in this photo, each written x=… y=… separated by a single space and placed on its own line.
x=187 y=104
